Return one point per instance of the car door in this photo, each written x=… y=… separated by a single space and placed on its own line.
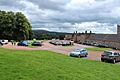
x=117 y=57
x=83 y=52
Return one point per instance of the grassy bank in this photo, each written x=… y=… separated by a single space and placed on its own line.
x=46 y=65
x=98 y=49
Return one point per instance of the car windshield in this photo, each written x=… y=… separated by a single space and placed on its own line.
x=107 y=53
x=77 y=50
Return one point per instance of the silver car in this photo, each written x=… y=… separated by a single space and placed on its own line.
x=80 y=52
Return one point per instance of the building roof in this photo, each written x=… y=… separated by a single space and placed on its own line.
x=108 y=37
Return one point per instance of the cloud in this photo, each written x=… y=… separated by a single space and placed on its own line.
x=99 y=16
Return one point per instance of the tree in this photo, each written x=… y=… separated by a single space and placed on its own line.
x=14 y=26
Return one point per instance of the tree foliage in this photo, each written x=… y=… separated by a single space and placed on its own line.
x=14 y=26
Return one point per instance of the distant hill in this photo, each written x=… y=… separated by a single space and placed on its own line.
x=44 y=34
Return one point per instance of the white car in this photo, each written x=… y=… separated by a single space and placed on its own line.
x=4 y=41
x=79 y=52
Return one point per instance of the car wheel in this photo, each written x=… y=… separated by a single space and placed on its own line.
x=114 y=61
x=85 y=55
x=79 y=56
x=102 y=60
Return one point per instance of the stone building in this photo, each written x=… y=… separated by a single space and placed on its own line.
x=112 y=40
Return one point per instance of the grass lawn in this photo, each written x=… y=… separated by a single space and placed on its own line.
x=46 y=65
x=98 y=49
x=30 y=46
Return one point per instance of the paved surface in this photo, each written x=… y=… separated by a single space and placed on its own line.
x=93 y=55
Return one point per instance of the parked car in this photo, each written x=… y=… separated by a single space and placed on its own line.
x=88 y=43
x=80 y=52
x=93 y=44
x=66 y=43
x=3 y=41
x=110 y=56
x=80 y=42
x=58 y=43
x=102 y=45
x=114 y=48
x=23 y=43
x=36 y=44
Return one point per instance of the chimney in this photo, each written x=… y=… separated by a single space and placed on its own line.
x=76 y=32
x=118 y=29
x=85 y=32
x=90 y=32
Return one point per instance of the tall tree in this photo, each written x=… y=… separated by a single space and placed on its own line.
x=14 y=26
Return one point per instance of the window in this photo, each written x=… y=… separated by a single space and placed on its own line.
x=83 y=50
x=115 y=53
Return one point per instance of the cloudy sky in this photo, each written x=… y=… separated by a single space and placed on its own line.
x=99 y=16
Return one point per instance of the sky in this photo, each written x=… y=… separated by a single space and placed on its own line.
x=98 y=16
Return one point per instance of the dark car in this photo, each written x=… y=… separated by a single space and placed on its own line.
x=36 y=44
x=23 y=43
x=114 y=48
x=102 y=45
x=110 y=56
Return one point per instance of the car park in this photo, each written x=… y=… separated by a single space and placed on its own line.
x=36 y=44
x=111 y=56
x=79 y=52
x=23 y=43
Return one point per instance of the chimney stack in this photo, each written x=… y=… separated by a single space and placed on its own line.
x=118 y=29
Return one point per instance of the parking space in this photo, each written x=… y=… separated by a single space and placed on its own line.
x=93 y=55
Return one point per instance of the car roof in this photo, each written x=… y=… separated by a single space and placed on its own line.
x=112 y=51
x=80 y=49
x=36 y=42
